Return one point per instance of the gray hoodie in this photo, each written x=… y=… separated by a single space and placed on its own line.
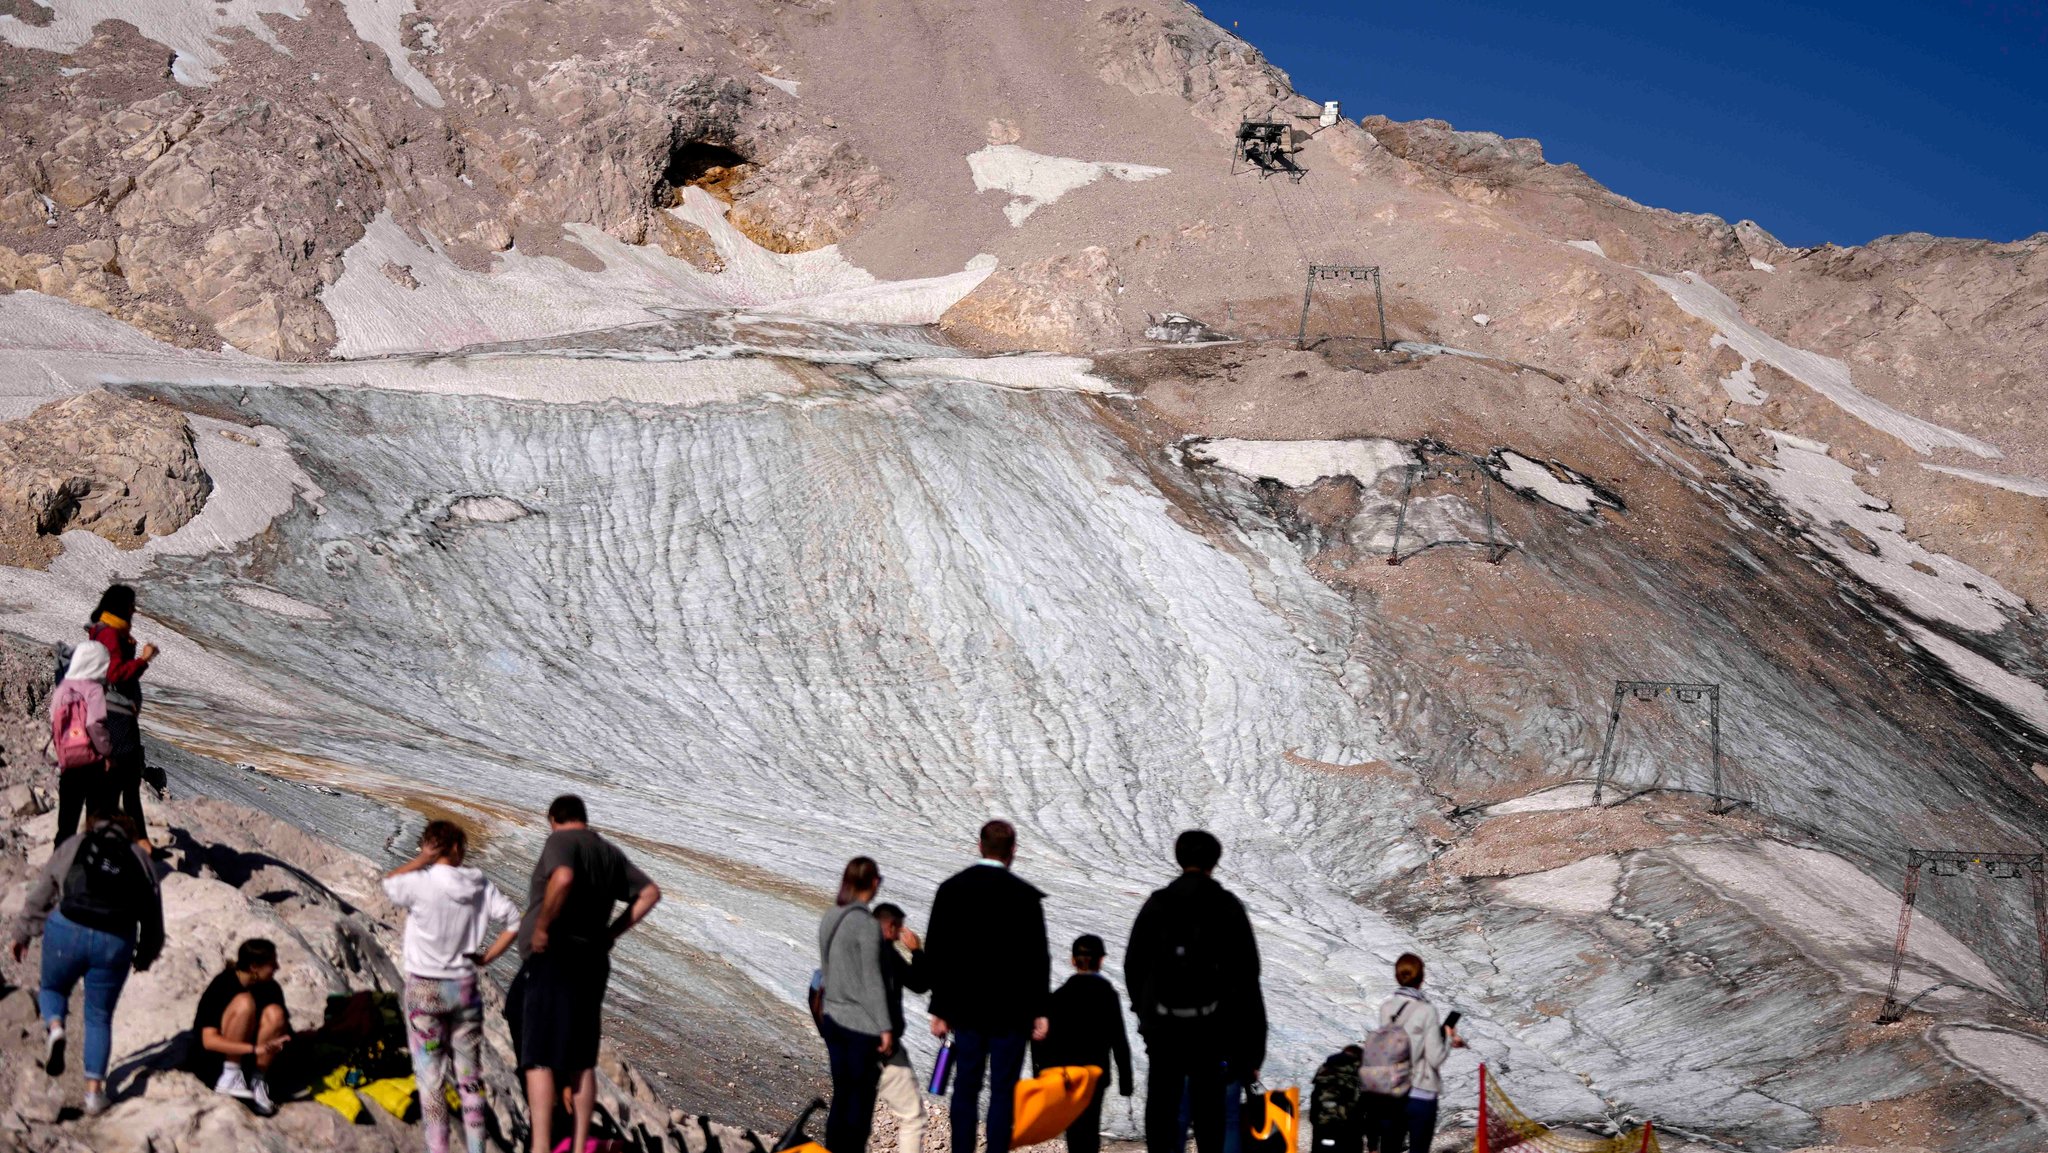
x=856 y=996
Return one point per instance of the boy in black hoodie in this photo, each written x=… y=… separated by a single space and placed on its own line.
x=1085 y=1026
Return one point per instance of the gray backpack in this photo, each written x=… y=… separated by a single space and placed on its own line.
x=1388 y=1058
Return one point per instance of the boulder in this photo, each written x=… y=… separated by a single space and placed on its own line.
x=126 y=469
x=1063 y=303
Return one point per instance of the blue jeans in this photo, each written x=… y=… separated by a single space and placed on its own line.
x=856 y=1071
x=1000 y=1056
x=73 y=951
x=1410 y=1125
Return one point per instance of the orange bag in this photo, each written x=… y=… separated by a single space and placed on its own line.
x=1051 y=1101
x=1270 y=1120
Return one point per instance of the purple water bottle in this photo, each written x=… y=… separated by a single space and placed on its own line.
x=942 y=1069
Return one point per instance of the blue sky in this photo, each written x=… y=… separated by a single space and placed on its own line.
x=1823 y=122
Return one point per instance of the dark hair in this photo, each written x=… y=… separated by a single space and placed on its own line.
x=1198 y=850
x=119 y=600
x=568 y=809
x=861 y=876
x=1353 y=1050
x=1408 y=971
x=253 y=952
x=886 y=911
x=445 y=835
x=999 y=840
x=1089 y=945
x=121 y=821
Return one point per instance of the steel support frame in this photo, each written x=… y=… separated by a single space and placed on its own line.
x=1650 y=690
x=2034 y=864
x=1495 y=547
x=1342 y=272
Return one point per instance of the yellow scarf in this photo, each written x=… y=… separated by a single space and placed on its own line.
x=112 y=621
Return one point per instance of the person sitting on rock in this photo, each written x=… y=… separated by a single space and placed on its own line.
x=110 y=627
x=451 y=910
x=241 y=1026
x=96 y=906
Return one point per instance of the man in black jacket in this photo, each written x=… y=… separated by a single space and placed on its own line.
x=989 y=968
x=1193 y=974
x=1085 y=1026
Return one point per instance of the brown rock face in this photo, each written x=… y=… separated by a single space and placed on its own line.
x=125 y=469
x=1062 y=303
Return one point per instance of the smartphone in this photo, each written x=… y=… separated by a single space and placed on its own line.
x=1451 y=1022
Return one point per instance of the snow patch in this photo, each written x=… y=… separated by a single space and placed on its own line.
x=1823 y=374
x=2022 y=696
x=1301 y=463
x=1844 y=919
x=1577 y=795
x=2016 y=1062
x=1762 y=265
x=1592 y=246
x=272 y=601
x=1869 y=539
x=382 y=22
x=1058 y=373
x=789 y=86
x=1034 y=180
x=1588 y=886
x=1520 y=473
x=2025 y=485
x=1740 y=385
x=1481 y=319
x=533 y=296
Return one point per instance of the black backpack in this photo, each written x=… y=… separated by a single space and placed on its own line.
x=107 y=883
x=1188 y=979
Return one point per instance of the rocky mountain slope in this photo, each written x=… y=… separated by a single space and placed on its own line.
x=619 y=397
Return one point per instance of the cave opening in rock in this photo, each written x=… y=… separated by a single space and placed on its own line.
x=712 y=167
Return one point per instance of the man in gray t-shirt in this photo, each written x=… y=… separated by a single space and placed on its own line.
x=555 y=1003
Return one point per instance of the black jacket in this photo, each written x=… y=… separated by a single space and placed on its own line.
x=1086 y=1027
x=1196 y=912
x=898 y=975
x=986 y=951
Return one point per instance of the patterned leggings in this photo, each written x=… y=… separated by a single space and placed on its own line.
x=445 y=1018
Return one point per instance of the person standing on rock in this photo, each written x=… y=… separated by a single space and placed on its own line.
x=556 y=1003
x=96 y=906
x=241 y=1027
x=78 y=737
x=989 y=972
x=111 y=628
x=1085 y=1026
x=1193 y=975
x=451 y=908
x=860 y=1036
x=903 y=968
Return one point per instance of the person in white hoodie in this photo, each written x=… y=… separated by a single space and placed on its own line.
x=451 y=910
x=1411 y=1124
x=79 y=739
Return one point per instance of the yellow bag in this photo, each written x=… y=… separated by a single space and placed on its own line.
x=1051 y=1101
x=339 y=1097
x=394 y=1094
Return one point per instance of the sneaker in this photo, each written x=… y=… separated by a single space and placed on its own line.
x=259 y=1096
x=53 y=1052
x=96 y=1102
x=232 y=1083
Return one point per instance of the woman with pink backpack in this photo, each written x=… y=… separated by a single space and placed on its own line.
x=78 y=736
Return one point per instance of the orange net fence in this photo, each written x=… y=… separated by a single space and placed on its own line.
x=1502 y=1128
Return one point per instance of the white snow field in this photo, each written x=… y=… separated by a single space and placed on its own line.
x=1034 y=180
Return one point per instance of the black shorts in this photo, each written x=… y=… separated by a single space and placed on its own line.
x=554 y=1007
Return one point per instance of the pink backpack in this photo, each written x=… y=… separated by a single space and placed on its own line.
x=69 y=738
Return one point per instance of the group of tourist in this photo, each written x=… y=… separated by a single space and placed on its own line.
x=1191 y=969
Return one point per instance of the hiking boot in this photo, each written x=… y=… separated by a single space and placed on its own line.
x=96 y=1102
x=259 y=1096
x=53 y=1051
x=232 y=1082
